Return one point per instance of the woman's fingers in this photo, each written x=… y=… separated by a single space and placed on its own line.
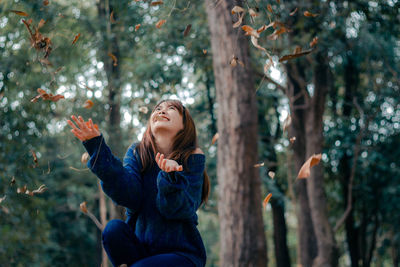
x=77 y=121
x=72 y=125
x=79 y=136
x=157 y=157
x=84 y=126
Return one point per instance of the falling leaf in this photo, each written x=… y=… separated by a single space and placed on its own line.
x=252 y=13
x=314 y=42
x=12 y=181
x=214 y=139
x=156 y=3
x=240 y=20
x=46 y=2
x=292 y=139
x=83 y=207
x=85 y=158
x=271 y=174
x=76 y=38
x=266 y=200
x=309 y=14
x=269 y=7
x=34 y=158
x=20 y=13
x=187 y=30
x=3 y=198
x=293 y=12
x=40 y=190
x=295 y=55
x=112 y=20
x=160 y=23
x=41 y=23
x=305 y=169
x=114 y=58
x=268 y=65
x=21 y=190
x=137 y=26
x=258 y=165
x=287 y=122
x=273 y=36
x=38 y=41
x=234 y=61
x=250 y=31
x=204 y=51
x=237 y=9
x=88 y=104
x=143 y=109
x=46 y=96
x=254 y=41
x=262 y=28
x=278 y=1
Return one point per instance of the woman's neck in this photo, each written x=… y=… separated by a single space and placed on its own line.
x=163 y=144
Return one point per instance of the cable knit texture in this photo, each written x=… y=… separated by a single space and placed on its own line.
x=165 y=203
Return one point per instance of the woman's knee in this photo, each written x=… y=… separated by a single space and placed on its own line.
x=114 y=230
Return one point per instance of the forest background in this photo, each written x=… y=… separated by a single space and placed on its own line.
x=338 y=95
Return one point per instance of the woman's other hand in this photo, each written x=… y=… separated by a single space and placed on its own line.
x=85 y=130
x=167 y=165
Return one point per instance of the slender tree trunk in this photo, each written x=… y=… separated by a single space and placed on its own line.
x=239 y=207
x=280 y=232
x=103 y=220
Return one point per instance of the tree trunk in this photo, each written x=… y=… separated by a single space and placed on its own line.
x=103 y=220
x=240 y=214
x=280 y=232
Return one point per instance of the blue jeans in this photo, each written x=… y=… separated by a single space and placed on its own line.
x=123 y=247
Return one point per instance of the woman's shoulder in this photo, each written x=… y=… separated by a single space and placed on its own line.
x=198 y=151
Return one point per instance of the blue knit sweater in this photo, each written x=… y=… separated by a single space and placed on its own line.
x=165 y=203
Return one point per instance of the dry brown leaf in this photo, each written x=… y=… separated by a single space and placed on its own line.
x=204 y=51
x=269 y=7
x=268 y=65
x=137 y=26
x=292 y=139
x=252 y=13
x=237 y=9
x=295 y=55
x=112 y=20
x=41 y=23
x=85 y=158
x=12 y=181
x=293 y=12
x=262 y=28
x=266 y=200
x=2 y=198
x=143 y=109
x=34 y=158
x=271 y=174
x=88 y=104
x=258 y=165
x=240 y=20
x=38 y=41
x=214 y=139
x=306 y=168
x=83 y=207
x=76 y=38
x=250 y=31
x=20 y=13
x=46 y=2
x=309 y=14
x=314 y=42
x=40 y=190
x=254 y=41
x=160 y=23
x=273 y=36
x=287 y=122
x=46 y=96
x=114 y=58
x=156 y=3
x=187 y=30
x=21 y=190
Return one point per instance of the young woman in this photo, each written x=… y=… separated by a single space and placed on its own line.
x=161 y=182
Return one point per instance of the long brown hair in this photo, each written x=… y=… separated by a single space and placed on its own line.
x=184 y=144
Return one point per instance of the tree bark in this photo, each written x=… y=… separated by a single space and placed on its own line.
x=280 y=232
x=240 y=214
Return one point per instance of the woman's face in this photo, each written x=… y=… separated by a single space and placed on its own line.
x=166 y=119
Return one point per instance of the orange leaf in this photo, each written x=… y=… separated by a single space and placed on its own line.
x=88 y=104
x=250 y=31
x=266 y=200
x=41 y=23
x=254 y=41
x=309 y=14
x=35 y=159
x=20 y=13
x=240 y=20
x=204 y=51
x=114 y=58
x=292 y=139
x=83 y=207
x=258 y=165
x=112 y=20
x=187 y=30
x=160 y=23
x=215 y=138
x=46 y=2
x=137 y=27
x=237 y=9
x=76 y=38
x=156 y=3
x=293 y=12
x=314 y=42
x=305 y=169
x=252 y=13
x=270 y=8
x=295 y=55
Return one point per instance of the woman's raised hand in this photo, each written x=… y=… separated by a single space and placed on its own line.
x=167 y=165
x=85 y=130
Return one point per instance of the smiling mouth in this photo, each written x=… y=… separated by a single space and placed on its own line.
x=160 y=118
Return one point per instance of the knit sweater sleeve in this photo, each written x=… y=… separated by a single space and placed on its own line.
x=121 y=181
x=179 y=193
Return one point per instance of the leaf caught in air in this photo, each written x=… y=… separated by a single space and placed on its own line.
x=20 y=13
x=269 y=7
x=12 y=181
x=254 y=41
x=112 y=20
x=296 y=55
x=292 y=139
x=287 y=122
x=204 y=51
x=262 y=28
x=268 y=65
x=85 y=158
x=46 y=2
x=160 y=23
x=114 y=58
x=34 y=158
x=143 y=109
x=40 y=190
x=258 y=165
x=41 y=24
x=3 y=198
x=271 y=174
x=309 y=14
x=187 y=30
x=21 y=190
x=266 y=200
x=88 y=104
x=156 y=3
x=314 y=42
x=38 y=41
x=305 y=169
x=137 y=26
x=240 y=20
x=293 y=12
x=237 y=9
x=214 y=139
x=235 y=60
x=83 y=207
x=46 y=96
x=252 y=13
x=76 y=38
x=273 y=36
x=250 y=31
